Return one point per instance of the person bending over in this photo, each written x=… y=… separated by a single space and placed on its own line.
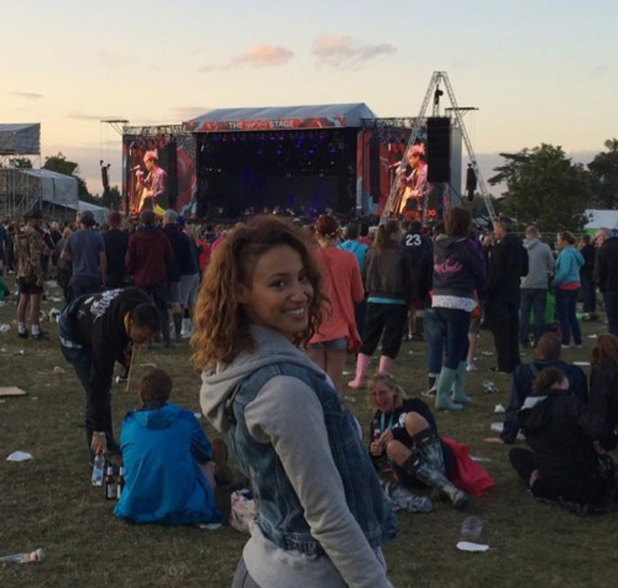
x=404 y=437
x=566 y=462
x=168 y=461
x=97 y=330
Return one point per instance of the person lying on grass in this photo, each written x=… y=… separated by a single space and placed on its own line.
x=404 y=439
x=568 y=463
x=168 y=461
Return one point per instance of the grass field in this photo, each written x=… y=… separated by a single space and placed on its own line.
x=48 y=502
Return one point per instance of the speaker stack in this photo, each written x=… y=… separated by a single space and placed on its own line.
x=439 y=149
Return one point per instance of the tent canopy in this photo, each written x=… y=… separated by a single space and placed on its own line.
x=277 y=118
x=599 y=219
x=20 y=139
x=56 y=188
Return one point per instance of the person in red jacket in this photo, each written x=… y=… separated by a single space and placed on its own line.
x=148 y=256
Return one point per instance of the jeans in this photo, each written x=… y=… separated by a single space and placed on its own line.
x=456 y=324
x=566 y=304
x=81 y=360
x=81 y=285
x=434 y=335
x=589 y=292
x=610 y=300
x=535 y=300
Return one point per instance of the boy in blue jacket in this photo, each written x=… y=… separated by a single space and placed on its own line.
x=168 y=461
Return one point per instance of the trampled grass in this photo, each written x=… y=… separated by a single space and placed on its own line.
x=48 y=502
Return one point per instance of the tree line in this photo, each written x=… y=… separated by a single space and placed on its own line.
x=546 y=188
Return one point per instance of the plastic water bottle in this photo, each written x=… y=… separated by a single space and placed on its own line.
x=34 y=556
x=472 y=527
x=98 y=469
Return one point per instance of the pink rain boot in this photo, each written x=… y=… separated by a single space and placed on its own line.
x=386 y=364
x=362 y=365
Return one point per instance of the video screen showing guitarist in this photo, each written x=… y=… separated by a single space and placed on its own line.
x=414 y=183
x=153 y=185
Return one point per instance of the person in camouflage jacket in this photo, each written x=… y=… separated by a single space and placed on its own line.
x=29 y=247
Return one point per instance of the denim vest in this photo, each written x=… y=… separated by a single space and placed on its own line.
x=279 y=512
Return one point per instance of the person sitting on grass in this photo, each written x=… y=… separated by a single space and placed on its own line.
x=404 y=439
x=568 y=464
x=547 y=354
x=168 y=461
x=604 y=380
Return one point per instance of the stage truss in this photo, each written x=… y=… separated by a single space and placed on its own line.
x=19 y=192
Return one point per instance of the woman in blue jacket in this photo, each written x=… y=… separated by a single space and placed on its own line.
x=168 y=461
x=567 y=283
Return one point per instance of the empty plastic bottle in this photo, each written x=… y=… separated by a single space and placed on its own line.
x=38 y=555
x=98 y=469
x=472 y=527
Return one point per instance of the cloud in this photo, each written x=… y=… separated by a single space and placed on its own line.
x=257 y=56
x=344 y=51
x=601 y=70
x=263 y=56
x=27 y=95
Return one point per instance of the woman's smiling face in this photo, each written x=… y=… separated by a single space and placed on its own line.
x=280 y=292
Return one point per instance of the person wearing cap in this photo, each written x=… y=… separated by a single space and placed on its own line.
x=116 y=243
x=85 y=250
x=29 y=247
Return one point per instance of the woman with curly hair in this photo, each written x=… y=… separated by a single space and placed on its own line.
x=321 y=513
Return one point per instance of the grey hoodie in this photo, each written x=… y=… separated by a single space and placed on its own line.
x=540 y=265
x=287 y=414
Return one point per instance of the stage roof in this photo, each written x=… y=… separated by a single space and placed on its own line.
x=277 y=118
x=20 y=139
x=600 y=219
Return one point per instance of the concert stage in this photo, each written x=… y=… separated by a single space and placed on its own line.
x=306 y=159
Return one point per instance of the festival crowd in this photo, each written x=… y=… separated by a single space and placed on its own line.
x=273 y=308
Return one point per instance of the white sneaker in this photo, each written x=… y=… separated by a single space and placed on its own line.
x=472 y=367
x=187 y=328
x=431 y=392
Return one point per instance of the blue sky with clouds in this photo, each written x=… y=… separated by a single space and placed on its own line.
x=538 y=71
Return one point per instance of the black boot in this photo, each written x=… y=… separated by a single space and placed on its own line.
x=427 y=465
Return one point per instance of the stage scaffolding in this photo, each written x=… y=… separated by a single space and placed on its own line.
x=20 y=149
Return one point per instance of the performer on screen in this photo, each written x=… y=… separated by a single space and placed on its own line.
x=153 y=185
x=413 y=182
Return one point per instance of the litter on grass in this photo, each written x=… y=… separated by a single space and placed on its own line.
x=497 y=427
x=480 y=459
x=12 y=391
x=58 y=370
x=19 y=456
x=593 y=336
x=499 y=409
x=5 y=328
x=472 y=547
x=489 y=387
x=197 y=415
x=581 y=363
x=487 y=353
x=20 y=352
x=210 y=526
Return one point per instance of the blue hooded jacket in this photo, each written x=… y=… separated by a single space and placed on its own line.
x=161 y=450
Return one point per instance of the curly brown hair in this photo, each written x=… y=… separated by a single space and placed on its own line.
x=221 y=329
